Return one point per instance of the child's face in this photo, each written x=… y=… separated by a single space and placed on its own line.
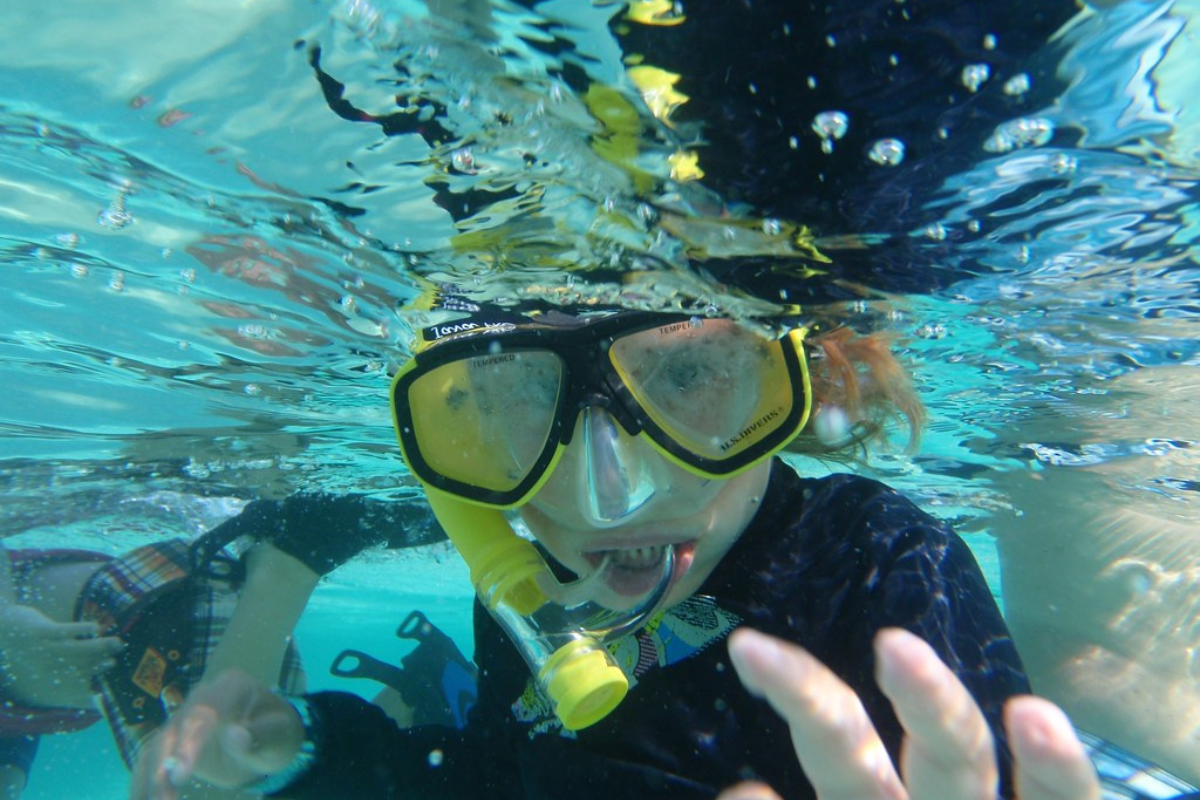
x=700 y=516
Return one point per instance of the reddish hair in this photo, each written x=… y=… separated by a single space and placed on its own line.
x=861 y=376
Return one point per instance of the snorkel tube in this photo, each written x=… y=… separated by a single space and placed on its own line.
x=558 y=631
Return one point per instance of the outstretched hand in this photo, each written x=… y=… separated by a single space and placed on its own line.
x=232 y=731
x=948 y=752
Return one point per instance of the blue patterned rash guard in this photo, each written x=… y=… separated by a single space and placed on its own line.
x=825 y=563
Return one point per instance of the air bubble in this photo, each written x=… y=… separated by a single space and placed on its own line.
x=936 y=232
x=975 y=75
x=989 y=41
x=771 y=227
x=1064 y=164
x=463 y=161
x=1018 y=133
x=931 y=331
x=830 y=126
x=1017 y=85
x=887 y=152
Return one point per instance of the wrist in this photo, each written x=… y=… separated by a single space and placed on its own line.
x=306 y=754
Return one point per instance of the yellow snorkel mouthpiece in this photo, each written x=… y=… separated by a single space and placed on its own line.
x=557 y=630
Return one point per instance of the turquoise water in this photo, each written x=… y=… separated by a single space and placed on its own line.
x=208 y=277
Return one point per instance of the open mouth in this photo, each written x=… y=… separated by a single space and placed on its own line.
x=634 y=571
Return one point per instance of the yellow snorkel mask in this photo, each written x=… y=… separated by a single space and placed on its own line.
x=485 y=412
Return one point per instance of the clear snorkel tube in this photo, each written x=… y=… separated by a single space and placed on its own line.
x=559 y=630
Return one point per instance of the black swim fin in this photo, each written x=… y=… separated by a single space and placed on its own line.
x=435 y=680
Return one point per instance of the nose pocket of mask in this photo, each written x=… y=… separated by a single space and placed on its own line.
x=616 y=479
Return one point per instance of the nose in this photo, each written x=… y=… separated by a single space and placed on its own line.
x=616 y=480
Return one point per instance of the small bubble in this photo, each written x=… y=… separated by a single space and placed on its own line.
x=975 y=75
x=252 y=389
x=887 y=152
x=1064 y=164
x=974 y=226
x=936 y=232
x=989 y=41
x=117 y=281
x=753 y=89
x=435 y=758
x=1017 y=85
x=115 y=216
x=68 y=240
x=79 y=270
x=463 y=161
x=793 y=142
x=829 y=40
x=771 y=227
x=831 y=124
x=894 y=60
x=931 y=331
x=812 y=81
x=188 y=275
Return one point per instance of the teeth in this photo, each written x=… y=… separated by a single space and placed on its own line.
x=637 y=557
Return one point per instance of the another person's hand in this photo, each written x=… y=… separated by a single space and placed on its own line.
x=49 y=663
x=949 y=750
x=232 y=731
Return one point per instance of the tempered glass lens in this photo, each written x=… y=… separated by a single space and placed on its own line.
x=713 y=387
x=486 y=420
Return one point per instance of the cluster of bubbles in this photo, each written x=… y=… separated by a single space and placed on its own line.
x=1018 y=133
x=830 y=126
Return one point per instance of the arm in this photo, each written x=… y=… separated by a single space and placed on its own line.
x=233 y=731
x=276 y=591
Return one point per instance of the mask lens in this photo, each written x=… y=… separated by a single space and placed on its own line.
x=486 y=420
x=713 y=387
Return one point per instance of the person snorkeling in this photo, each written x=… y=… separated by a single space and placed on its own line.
x=613 y=482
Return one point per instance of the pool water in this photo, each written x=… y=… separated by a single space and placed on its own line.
x=211 y=270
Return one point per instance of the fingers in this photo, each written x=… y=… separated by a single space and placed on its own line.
x=835 y=741
x=231 y=731
x=948 y=752
x=749 y=790
x=1051 y=763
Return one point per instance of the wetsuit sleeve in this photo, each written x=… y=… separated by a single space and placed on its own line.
x=363 y=755
x=323 y=531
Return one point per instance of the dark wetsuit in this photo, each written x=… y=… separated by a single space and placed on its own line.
x=825 y=563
